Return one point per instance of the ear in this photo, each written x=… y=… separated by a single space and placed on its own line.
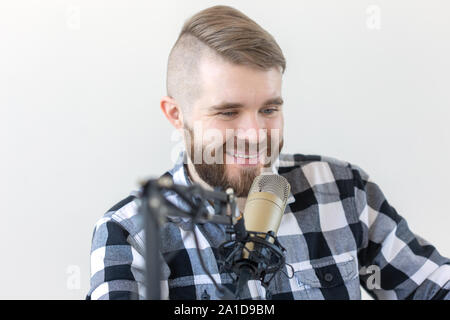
x=172 y=111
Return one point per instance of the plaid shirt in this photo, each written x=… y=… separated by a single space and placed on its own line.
x=338 y=230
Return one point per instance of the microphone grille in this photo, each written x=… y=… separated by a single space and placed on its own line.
x=273 y=183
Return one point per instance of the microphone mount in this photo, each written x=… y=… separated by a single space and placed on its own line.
x=265 y=257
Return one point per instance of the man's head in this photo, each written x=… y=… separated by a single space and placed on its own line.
x=224 y=90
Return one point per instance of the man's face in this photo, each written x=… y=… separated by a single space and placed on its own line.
x=235 y=127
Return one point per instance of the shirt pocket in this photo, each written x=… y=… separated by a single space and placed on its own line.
x=198 y=287
x=328 y=273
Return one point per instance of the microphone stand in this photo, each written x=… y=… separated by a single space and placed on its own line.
x=152 y=245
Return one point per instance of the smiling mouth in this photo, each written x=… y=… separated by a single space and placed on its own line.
x=245 y=156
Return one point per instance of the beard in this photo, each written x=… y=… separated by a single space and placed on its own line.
x=216 y=174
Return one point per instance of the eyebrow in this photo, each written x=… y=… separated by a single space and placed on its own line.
x=233 y=105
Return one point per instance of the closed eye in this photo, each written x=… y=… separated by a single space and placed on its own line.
x=269 y=111
x=228 y=113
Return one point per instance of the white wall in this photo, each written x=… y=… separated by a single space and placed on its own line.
x=80 y=125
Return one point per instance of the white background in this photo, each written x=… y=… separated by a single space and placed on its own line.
x=80 y=124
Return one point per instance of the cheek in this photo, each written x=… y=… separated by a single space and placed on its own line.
x=275 y=125
x=278 y=122
x=216 y=128
x=212 y=139
x=217 y=124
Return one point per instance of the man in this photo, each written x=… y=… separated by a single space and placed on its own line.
x=224 y=93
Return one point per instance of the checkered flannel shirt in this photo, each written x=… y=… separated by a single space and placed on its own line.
x=338 y=231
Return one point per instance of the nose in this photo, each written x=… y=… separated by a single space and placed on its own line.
x=249 y=127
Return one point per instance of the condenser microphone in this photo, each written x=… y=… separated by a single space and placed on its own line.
x=266 y=202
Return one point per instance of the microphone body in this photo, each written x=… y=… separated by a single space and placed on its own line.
x=263 y=213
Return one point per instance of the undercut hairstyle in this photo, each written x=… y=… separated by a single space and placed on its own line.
x=221 y=32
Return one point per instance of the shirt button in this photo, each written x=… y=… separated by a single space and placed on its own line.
x=328 y=277
x=205 y=295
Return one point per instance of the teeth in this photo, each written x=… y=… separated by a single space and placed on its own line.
x=243 y=156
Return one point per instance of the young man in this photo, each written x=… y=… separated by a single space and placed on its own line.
x=224 y=93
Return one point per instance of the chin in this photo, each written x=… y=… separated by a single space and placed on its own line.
x=235 y=170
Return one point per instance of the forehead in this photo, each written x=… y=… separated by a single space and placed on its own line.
x=222 y=81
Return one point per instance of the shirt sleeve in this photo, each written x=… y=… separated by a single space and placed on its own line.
x=394 y=262
x=117 y=266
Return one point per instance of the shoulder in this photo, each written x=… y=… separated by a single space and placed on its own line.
x=124 y=218
x=319 y=169
x=119 y=223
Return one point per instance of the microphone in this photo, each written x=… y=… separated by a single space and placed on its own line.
x=265 y=205
x=261 y=254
